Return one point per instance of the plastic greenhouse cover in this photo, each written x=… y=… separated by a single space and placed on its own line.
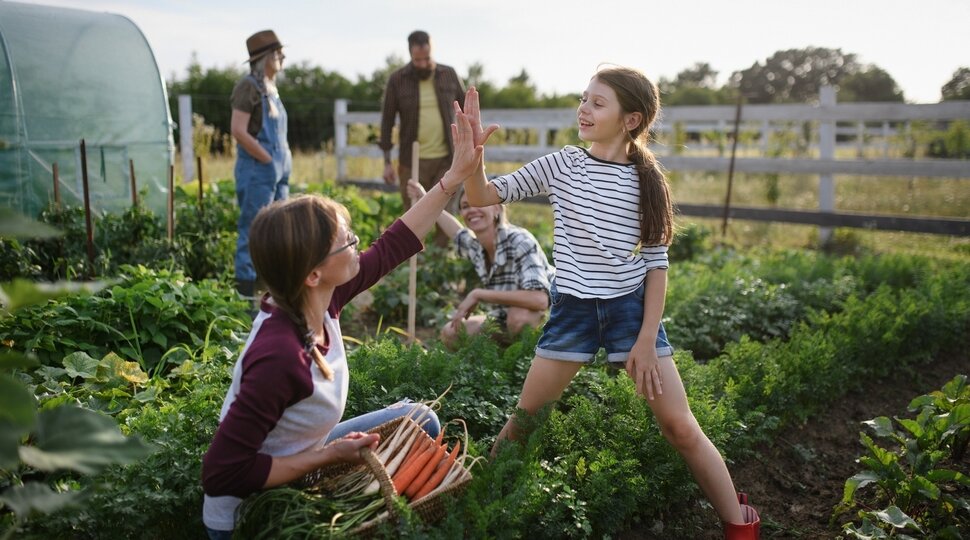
x=67 y=75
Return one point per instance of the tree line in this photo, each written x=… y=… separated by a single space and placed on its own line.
x=787 y=76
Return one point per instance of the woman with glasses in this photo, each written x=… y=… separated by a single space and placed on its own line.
x=281 y=416
x=263 y=159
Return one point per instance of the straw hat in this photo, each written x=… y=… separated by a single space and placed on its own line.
x=261 y=43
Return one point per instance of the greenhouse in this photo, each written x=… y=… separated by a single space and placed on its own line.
x=68 y=75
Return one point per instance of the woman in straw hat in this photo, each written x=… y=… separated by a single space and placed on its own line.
x=263 y=161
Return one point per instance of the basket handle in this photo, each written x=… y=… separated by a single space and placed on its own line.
x=383 y=479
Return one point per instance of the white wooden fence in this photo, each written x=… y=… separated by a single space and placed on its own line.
x=859 y=125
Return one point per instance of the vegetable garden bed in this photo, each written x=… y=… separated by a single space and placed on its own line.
x=767 y=340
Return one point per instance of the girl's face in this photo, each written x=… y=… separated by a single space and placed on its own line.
x=478 y=219
x=343 y=261
x=599 y=114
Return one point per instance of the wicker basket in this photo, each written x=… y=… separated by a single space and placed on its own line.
x=430 y=508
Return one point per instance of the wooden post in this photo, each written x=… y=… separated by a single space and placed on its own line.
x=134 y=184
x=826 y=151
x=185 y=136
x=57 y=186
x=87 y=205
x=730 y=182
x=198 y=170
x=413 y=263
x=340 y=138
x=170 y=209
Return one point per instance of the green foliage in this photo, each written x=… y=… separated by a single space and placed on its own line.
x=442 y=279
x=869 y=84
x=958 y=87
x=794 y=75
x=690 y=241
x=785 y=332
x=205 y=235
x=34 y=444
x=957 y=140
x=141 y=317
x=484 y=380
x=717 y=301
x=917 y=484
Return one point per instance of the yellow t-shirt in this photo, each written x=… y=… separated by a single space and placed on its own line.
x=431 y=133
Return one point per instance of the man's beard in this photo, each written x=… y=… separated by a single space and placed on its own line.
x=424 y=73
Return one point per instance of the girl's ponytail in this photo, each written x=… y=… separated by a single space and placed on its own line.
x=637 y=94
x=656 y=210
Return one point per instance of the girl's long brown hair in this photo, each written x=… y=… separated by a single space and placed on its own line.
x=287 y=240
x=636 y=93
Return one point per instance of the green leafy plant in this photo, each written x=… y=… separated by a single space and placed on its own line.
x=141 y=317
x=916 y=488
x=35 y=446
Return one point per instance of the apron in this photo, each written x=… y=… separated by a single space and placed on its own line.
x=258 y=184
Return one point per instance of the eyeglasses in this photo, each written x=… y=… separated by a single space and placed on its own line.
x=280 y=55
x=353 y=243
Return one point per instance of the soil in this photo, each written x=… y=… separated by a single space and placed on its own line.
x=795 y=481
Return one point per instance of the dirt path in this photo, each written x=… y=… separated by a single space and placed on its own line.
x=797 y=480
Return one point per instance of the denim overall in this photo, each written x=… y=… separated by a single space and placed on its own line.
x=258 y=184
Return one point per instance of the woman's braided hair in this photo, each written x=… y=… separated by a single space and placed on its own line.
x=287 y=240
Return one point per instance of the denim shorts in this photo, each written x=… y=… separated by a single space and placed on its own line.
x=578 y=327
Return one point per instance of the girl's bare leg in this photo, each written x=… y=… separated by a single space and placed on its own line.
x=680 y=428
x=544 y=384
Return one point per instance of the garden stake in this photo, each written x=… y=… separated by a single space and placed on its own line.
x=57 y=187
x=87 y=205
x=413 y=263
x=134 y=184
x=170 y=211
x=734 y=150
x=198 y=168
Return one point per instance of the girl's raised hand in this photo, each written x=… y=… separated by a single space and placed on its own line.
x=468 y=155
x=474 y=112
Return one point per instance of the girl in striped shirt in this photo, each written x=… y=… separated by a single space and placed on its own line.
x=613 y=223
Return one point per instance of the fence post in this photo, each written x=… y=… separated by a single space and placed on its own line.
x=765 y=137
x=185 y=136
x=340 y=135
x=826 y=150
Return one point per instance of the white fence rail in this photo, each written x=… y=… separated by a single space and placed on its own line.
x=832 y=127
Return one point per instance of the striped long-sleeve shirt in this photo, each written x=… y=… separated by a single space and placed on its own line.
x=596 y=236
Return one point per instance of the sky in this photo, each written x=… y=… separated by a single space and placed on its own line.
x=560 y=43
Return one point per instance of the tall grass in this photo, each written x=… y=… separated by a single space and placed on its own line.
x=936 y=197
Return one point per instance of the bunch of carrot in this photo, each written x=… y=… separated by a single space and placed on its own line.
x=416 y=463
x=426 y=466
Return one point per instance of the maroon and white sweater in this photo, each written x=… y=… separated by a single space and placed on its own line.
x=279 y=403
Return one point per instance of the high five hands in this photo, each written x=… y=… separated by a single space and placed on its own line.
x=474 y=113
x=469 y=136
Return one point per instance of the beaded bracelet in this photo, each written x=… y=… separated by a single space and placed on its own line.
x=441 y=184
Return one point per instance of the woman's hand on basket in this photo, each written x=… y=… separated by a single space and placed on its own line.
x=347 y=448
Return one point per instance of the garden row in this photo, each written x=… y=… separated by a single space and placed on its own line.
x=764 y=339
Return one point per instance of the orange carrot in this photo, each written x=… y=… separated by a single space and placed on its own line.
x=429 y=467
x=439 y=473
x=407 y=475
x=417 y=447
